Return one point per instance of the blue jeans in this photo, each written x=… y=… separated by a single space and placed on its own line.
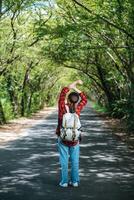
x=66 y=152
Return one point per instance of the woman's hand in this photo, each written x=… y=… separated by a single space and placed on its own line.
x=79 y=82
x=73 y=85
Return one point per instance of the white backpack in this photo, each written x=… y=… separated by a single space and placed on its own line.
x=70 y=126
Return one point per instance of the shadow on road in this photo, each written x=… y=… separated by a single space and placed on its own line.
x=29 y=166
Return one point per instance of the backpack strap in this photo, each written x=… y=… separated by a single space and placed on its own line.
x=67 y=111
x=74 y=126
x=67 y=108
x=74 y=121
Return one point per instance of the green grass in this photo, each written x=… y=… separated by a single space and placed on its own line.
x=98 y=107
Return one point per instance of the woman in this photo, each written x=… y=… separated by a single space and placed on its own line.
x=69 y=148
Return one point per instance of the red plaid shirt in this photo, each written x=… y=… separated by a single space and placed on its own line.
x=62 y=110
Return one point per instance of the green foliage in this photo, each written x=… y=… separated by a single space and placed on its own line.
x=95 y=38
x=99 y=108
x=47 y=44
x=120 y=109
x=28 y=80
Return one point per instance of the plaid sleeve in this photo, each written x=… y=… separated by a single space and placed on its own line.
x=61 y=102
x=82 y=103
x=61 y=107
x=62 y=96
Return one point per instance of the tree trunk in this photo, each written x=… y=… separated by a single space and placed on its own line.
x=24 y=95
x=106 y=88
x=2 y=115
x=131 y=107
x=30 y=102
x=12 y=95
x=0 y=7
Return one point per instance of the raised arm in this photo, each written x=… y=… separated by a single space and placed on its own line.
x=62 y=96
x=83 y=100
x=65 y=90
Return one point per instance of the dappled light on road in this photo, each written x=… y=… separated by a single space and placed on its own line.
x=29 y=167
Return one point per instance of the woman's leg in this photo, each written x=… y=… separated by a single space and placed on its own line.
x=74 y=158
x=64 y=155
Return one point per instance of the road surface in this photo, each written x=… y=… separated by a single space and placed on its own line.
x=29 y=165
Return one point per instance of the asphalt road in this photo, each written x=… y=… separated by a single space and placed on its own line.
x=29 y=165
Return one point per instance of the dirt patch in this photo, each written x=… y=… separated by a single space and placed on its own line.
x=119 y=130
x=15 y=128
x=118 y=127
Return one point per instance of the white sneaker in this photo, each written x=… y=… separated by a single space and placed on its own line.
x=63 y=185
x=74 y=184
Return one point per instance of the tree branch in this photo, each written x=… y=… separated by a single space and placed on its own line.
x=89 y=75
x=43 y=23
x=104 y=19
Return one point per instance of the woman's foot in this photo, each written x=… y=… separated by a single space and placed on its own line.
x=76 y=184
x=63 y=184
